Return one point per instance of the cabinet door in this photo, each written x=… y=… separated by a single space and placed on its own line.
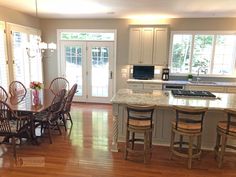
x=160 y=56
x=135 y=45
x=152 y=86
x=147 y=46
x=135 y=86
x=231 y=89
x=206 y=88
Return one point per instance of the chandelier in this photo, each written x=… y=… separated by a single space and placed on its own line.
x=37 y=45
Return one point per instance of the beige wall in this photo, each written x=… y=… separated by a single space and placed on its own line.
x=49 y=27
x=49 y=31
x=19 y=18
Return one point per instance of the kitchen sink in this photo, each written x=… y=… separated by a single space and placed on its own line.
x=203 y=82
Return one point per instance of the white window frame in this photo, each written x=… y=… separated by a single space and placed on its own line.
x=25 y=29
x=233 y=75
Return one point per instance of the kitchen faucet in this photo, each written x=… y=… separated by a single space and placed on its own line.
x=202 y=69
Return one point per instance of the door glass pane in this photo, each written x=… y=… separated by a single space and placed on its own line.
x=100 y=71
x=73 y=58
x=21 y=61
x=4 y=67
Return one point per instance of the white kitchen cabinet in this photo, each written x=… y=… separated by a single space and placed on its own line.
x=135 y=86
x=160 y=52
x=206 y=88
x=230 y=89
x=141 y=46
x=155 y=86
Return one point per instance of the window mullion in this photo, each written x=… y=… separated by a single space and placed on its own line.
x=191 y=54
x=213 y=54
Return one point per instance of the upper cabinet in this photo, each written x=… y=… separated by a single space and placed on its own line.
x=141 y=45
x=148 y=46
x=160 y=51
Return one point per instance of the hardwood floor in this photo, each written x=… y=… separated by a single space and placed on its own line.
x=84 y=151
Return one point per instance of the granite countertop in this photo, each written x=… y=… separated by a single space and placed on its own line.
x=207 y=83
x=166 y=99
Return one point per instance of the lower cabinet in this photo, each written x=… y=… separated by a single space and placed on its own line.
x=206 y=88
x=135 y=86
x=152 y=86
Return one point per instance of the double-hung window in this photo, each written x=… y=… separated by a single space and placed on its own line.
x=211 y=53
x=26 y=65
x=4 y=79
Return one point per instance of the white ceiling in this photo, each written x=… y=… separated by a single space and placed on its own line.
x=130 y=9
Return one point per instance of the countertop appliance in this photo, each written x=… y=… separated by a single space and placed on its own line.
x=169 y=86
x=192 y=93
x=143 y=72
x=165 y=74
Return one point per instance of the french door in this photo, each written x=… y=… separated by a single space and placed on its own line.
x=90 y=65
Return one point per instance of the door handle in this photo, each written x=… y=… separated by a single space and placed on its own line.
x=110 y=74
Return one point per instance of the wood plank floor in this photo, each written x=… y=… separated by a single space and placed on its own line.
x=84 y=151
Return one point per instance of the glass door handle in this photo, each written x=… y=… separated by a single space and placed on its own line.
x=110 y=75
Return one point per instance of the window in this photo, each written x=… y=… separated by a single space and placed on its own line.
x=205 y=52
x=26 y=67
x=4 y=80
x=88 y=36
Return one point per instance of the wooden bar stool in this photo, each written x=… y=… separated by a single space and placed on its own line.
x=225 y=130
x=139 y=120
x=188 y=123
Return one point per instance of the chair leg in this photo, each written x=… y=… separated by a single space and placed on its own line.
x=145 y=146
x=58 y=127
x=64 y=121
x=126 y=144
x=222 y=153
x=199 y=144
x=133 y=139
x=172 y=143
x=181 y=141
x=218 y=137
x=190 y=152
x=69 y=116
x=150 y=143
x=49 y=133
x=14 y=147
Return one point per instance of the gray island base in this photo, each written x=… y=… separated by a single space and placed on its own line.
x=164 y=114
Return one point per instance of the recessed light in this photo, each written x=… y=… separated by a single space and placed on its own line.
x=110 y=13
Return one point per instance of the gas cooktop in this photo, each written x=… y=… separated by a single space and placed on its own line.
x=192 y=93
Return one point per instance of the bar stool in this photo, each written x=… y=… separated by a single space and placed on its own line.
x=139 y=120
x=188 y=123
x=225 y=130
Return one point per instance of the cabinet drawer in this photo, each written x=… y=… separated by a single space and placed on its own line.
x=231 y=90
x=152 y=86
x=207 y=88
x=135 y=86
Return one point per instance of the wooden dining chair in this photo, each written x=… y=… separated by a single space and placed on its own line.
x=65 y=114
x=3 y=94
x=13 y=126
x=188 y=123
x=58 y=84
x=226 y=134
x=139 y=122
x=17 y=88
x=49 y=118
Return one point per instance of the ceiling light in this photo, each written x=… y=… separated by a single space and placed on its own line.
x=33 y=47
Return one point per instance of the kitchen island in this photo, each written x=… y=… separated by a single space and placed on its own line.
x=164 y=113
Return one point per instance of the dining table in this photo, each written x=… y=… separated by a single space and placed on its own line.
x=29 y=104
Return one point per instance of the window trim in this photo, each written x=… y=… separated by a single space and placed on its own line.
x=213 y=52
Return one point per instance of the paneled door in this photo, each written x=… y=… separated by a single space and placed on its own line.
x=89 y=64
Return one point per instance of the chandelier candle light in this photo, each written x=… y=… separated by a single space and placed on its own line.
x=38 y=45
